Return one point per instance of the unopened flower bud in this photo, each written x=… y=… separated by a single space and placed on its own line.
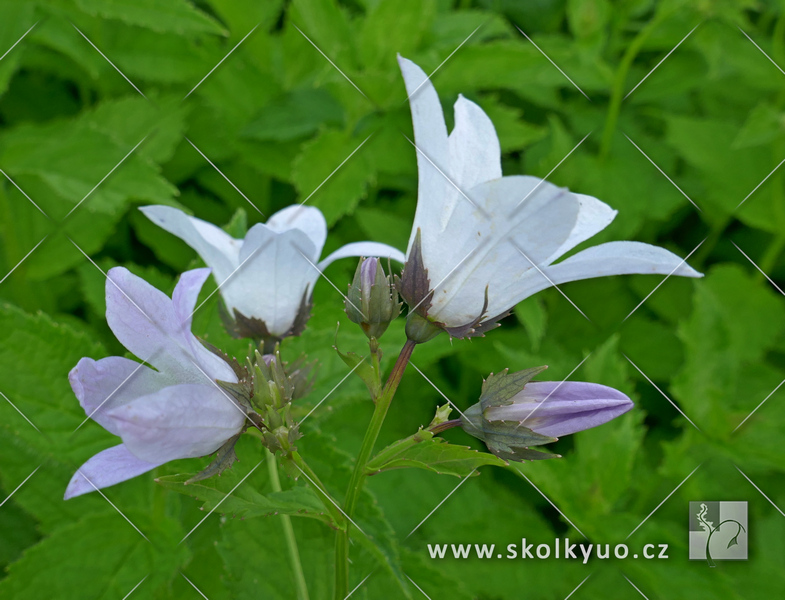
x=372 y=301
x=515 y=413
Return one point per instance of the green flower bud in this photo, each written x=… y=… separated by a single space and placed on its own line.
x=372 y=301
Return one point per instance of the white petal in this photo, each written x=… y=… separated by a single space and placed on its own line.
x=593 y=216
x=307 y=219
x=613 y=258
x=430 y=135
x=106 y=468
x=475 y=154
x=149 y=325
x=528 y=219
x=181 y=421
x=366 y=249
x=101 y=385
x=274 y=275
x=217 y=248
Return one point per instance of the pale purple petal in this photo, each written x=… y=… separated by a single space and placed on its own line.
x=181 y=421
x=146 y=323
x=217 y=248
x=307 y=219
x=555 y=409
x=364 y=249
x=101 y=385
x=475 y=154
x=106 y=468
x=184 y=298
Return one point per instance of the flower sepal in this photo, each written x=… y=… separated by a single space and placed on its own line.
x=225 y=457
x=240 y=326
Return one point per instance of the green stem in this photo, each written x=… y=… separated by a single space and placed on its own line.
x=359 y=473
x=288 y=532
x=771 y=255
x=618 y=83
x=320 y=489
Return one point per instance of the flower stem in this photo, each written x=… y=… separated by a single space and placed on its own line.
x=320 y=489
x=437 y=429
x=288 y=532
x=359 y=474
x=618 y=84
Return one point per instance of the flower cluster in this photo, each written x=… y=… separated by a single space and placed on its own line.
x=480 y=243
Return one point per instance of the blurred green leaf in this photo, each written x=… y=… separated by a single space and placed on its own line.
x=177 y=16
x=332 y=173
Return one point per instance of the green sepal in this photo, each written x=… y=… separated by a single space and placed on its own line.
x=499 y=389
x=225 y=457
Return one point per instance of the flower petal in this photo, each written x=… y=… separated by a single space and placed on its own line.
x=106 y=468
x=101 y=385
x=561 y=408
x=184 y=298
x=274 y=275
x=146 y=322
x=528 y=220
x=593 y=216
x=307 y=219
x=366 y=249
x=430 y=135
x=612 y=258
x=217 y=248
x=180 y=421
x=475 y=154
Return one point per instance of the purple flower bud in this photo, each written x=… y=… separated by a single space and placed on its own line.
x=557 y=409
x=514 y=413
x=367 y=278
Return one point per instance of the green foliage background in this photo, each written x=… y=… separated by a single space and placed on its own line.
x=277 y=118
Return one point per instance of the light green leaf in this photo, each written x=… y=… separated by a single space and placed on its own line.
x=394 y=26
x=335 y=194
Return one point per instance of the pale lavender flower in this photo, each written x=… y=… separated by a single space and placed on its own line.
x=489 y=241
x=173 y=410
x=267 y=278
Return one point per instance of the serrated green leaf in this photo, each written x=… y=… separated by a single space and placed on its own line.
x=433 y=454
x=246 y=501
x=39 y=389
x=118 y=557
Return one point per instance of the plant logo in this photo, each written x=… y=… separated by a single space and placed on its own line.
x=718 y=531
